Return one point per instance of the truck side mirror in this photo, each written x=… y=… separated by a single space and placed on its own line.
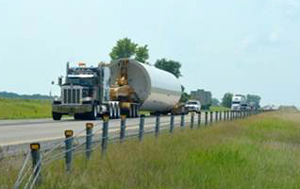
x=60 y=81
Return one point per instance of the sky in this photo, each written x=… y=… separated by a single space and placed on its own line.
x=238 y=46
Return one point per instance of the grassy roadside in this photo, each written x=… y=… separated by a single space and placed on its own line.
x=218 y=108
x=24 y=109
x=259 y=152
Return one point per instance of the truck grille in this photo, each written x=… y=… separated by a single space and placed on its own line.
x=71 y=96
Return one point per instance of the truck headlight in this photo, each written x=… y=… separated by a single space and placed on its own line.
x=86 y=100
x=57 y=101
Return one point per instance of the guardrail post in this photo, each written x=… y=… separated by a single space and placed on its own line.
x=182 y=123
x=227 y=115
x=220 y=115
x=206 y=118
x=36 y=160
x=104 y=134
x=192 y=120
x=157 y=123
x=211 y=118
x=217 y=116
x=69 y=150
x=89 y=140
x=172 y=123
x=141 y=131
x=122 y=128
x=199 y=119
x=231 y=115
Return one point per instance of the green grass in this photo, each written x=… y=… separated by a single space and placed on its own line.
x=24 y=109
x=259 y=152
x=218 y=108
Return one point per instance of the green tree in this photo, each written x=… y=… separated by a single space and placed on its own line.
x=227 y=100
x=169 y=66
x=184 y=96
x=215 y=102
x=253 y=100
x=124 y=48
x=142 y=54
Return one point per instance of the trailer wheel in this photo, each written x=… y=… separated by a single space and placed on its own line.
x=130 y=112
x=56 y=116
x=137 y=111
x=117 y=111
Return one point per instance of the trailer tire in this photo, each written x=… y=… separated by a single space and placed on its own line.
x=117 y=111
x=136 y=110
x=56 y=116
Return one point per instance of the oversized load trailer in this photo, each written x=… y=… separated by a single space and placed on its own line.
x=203 y=96
x=123 y=87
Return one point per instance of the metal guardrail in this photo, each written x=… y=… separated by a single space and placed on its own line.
x=30 y=173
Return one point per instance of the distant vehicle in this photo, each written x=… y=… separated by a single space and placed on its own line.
x=193 y=106
x=239 y=103
x=123 y=87
x=204 y=97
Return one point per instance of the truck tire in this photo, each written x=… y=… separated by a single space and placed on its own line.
x=111 y=112
x=78 y=116
x=93 y=114
x=56 y=116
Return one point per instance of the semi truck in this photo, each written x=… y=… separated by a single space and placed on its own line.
x=239 y=102
x=203 y=96
x=124 y=86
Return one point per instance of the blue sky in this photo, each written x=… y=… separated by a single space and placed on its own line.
x=239 y=46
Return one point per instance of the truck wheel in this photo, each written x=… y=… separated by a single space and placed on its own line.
x=56 y=116
x=78 y=116
x=111 y=112
x=93 y=114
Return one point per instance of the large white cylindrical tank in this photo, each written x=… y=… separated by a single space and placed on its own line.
x=158 y=90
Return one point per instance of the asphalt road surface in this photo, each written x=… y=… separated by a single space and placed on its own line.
x=15 y=133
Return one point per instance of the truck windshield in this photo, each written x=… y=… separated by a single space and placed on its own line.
x=82 y=81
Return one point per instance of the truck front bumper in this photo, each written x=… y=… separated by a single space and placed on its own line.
x=72 y=109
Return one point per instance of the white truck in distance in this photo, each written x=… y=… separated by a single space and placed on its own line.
x=239 y=102
x=193 y=106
